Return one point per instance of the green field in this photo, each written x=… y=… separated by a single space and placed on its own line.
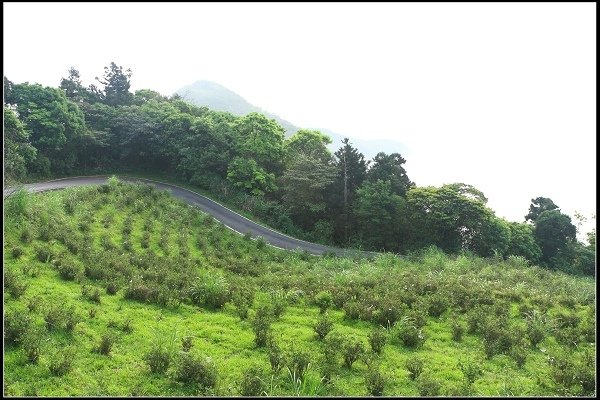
x=100 y=283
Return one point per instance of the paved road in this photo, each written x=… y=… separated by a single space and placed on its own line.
x=230 y=218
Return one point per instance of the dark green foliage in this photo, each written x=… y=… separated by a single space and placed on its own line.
x=196 y=369
x=375 y=381
x=16 y=325
x=414 y=366
x=323 y=301
x=54 y=316
x=261 y=325
x=378 y=339
x=428 y=386
x=352 y=350
x=61 y=363
x=298 y=362
x=277 y=358
x=16 y=252
x=410 y=335
x=69 y=272
x=279 y=302
x=253 y=382
x=158 y=359
x=111 y=288
x=575 y=376
x=437 y=305
x=71 y=318
x=323 y=326
x=457 y=331
x=187 y=343
x=107 y=340
x=32 y=344
x=470 y=370
x=14 y=284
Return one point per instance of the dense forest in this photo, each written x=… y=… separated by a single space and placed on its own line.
x=294 y=184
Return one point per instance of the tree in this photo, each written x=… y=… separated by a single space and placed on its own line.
x=72 y=85
x=522 y=242
x=389 y=168
x=18 y=152
x=351 y=172
x=261 y=139
x=379 y=213
x=553 y=230
x=247 y=174
x=538 y=206
x=309 y=143
x=54 y=124
x=453 y=217
x=304 y=183
x=116 y=85
x=205 y=152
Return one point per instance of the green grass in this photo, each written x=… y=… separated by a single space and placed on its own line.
x=212 y=250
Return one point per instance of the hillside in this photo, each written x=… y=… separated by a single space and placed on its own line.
x=120 y=290
x=217 y=97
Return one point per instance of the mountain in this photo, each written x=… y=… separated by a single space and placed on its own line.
x=218 y=97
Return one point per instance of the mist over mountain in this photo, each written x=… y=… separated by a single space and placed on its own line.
x=217 y=97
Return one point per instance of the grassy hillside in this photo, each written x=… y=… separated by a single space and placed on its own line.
x=122 y=290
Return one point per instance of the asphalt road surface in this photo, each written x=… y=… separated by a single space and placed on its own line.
x=230 y=218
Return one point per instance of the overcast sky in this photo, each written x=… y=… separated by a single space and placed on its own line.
x=498 y=95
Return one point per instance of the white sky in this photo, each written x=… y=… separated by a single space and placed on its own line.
x=498 y=95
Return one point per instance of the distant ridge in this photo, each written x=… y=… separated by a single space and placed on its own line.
x=217 y=97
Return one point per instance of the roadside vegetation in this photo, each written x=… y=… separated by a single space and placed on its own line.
x=121 y=290
x=291 y=182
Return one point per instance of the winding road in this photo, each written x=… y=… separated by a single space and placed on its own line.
x=229 y=218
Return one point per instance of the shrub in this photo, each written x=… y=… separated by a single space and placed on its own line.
x=187 y=343
x=352 y=350
x=32 y=344
x=17 y=252
x=470 y=370
x=127 y=327
x=457 y=331
x=375 y=381
x=437 y=305
x=210 y=289
x=519 y=354
x=34 y=303
x=279 y=302
x=69 y=271
x=260 y=243
x=276 y=357
x=16 y=324
x=198 y=370
x=410 y=335
x=92 y=312
x=14 y=284
x=61 y=362
x=112 y=288
x=43 y=253
x=54 y=317
x=72 y=318
x=377 y=339
x=298 y=362
x=536 y=332
x=428 y=386
x=261 y=326
x=107 y=340
x=158 y=359
x=323 y=326
x=323 y=300
x=414 y=366
x=253 y=382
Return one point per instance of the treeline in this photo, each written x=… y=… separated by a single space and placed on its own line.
x=294 y=184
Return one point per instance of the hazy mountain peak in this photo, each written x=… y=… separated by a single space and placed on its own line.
x=219 y=98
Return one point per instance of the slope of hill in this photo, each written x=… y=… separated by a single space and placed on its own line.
x=218 y=97
x=120 y=290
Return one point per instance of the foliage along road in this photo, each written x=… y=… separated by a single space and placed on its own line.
x=231 y=219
